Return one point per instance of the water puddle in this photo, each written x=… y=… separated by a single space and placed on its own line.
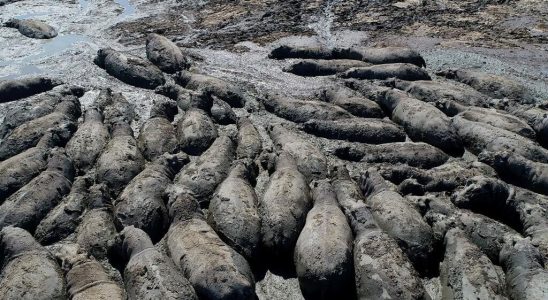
x=128 y=8
x=24 y=70
x=84 y=4
x=32 y=15
x=50 y=48
x=58 y=45
x=53 y=47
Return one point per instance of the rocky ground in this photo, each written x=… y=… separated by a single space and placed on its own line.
x=232 y=41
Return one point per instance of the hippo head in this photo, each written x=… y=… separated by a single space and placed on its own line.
x=449 y=73
x=165 y=108
x=520 y=252
x=173 y=162
x=281 y=51
x=12 y=23
x=71 y=255
x=101 y=56
x=183 y=77
x=168 y=90
x=303 y=68
x=372 y=183
x=494 y=158
x=72 y=90
x=57 y=136
x=70 y=107
x=99 y=196
x=134 y=241
x=182 y=206
x=151 y=36
x=482 y=193
x=246 y=168
x=14 y=241
x=339 y=171
x=52 y=82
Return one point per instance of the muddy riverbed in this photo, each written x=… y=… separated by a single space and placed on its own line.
x=232 y=41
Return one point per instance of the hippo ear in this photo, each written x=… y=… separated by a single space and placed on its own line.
x=371 y=182
x=411 y=186
x=176 y=161
x=502 y=157
x=68 y=254
x=162 y=90
x=100 y=58
x=488 y=157
x=514 y=244
x=441 y=104
x=391 y=82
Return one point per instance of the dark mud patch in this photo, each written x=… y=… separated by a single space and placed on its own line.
x=222 y=25
x=169 y=25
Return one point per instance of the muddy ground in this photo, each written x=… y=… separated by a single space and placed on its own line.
x=231 y=39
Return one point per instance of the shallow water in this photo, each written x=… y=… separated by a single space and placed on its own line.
x=51 y=47
x=83 y=4
x=32 y=15
x=54 y=47
x=129 y=9
x=24 y=70
x=57 y=45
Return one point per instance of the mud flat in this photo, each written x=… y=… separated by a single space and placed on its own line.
x=227 y=46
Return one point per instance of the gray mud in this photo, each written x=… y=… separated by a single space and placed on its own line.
x=214 y=35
